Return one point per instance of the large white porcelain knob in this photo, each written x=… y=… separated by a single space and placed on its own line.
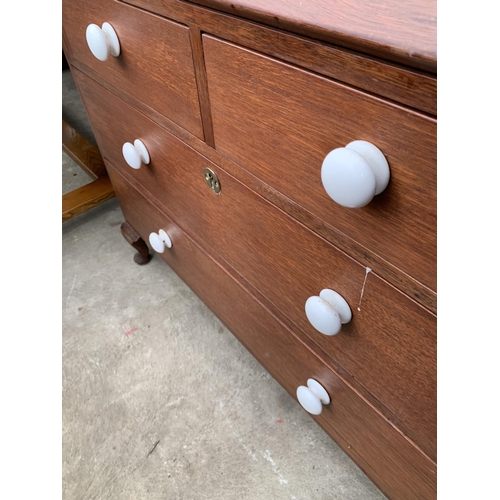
x=313 y=397
x=135 y=154
x=328 y=312
x=102 y=41
x=159 y=241
x=353 y=175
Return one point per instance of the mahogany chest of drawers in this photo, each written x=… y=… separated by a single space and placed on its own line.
x=280 y=156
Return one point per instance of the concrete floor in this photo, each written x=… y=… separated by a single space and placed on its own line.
x=160 y=401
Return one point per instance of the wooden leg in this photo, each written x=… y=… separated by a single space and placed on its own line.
x=130 y=234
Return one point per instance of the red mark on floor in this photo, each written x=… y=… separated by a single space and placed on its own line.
x=130 y=332
x=279 y=421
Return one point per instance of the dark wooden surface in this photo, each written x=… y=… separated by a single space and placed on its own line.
x=398 y=83
x=389 y=347
x=155 y=63
x=201 y=79
x=401 y=280
x=401 y=31
x=384 y=360
x=398 y=468
x=410 y=87
x=279 y=122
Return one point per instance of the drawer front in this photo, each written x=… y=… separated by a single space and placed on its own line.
x=388 y=347
x=155 y=64
x=384 y=454
x=279 y=122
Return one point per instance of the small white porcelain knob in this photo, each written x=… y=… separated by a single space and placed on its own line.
x=353 y=175
x=160 y=240
x=135 y=154
x=313 y=397
x=102 y=41
x=328 y=312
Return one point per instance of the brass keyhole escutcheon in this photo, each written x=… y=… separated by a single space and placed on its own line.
x=212 y=180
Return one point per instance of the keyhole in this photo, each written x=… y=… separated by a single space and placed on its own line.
x=212 y=180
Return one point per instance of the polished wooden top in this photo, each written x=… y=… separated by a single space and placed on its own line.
x=399 y=31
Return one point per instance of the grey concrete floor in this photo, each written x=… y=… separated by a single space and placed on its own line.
x=160 y=401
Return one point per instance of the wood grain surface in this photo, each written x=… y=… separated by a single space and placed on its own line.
x=389 y=347
x=380 y=370
x=279 y=122
x=86 y=197
x=89 y=159
x=399 y=31
x=398 y=468
x=398 y=83
x=155 y=63
x=201 y=80
x=392 y=274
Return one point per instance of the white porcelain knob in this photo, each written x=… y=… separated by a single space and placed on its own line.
x=353 y=175
x=328 y=312
x=313 y=397
x=102 y=41
x=135 y=154
x=160 y=240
